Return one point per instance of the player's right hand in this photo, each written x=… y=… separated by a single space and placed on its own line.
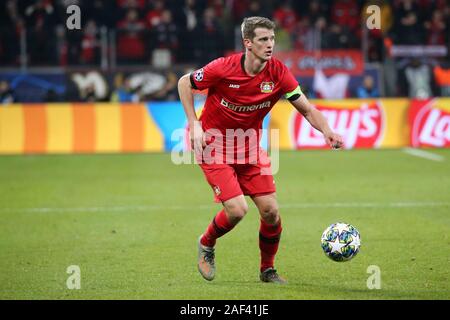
x=334 y=140
x=198 y=140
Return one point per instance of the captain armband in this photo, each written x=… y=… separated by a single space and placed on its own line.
x=294 y=95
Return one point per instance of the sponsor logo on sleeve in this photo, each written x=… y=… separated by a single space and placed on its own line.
x=198 y=75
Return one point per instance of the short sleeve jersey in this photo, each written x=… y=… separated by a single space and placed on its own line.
x=237 y=100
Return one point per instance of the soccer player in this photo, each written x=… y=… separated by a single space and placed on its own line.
x=242 y=89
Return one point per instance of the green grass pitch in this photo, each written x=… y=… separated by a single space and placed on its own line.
x=131 y=223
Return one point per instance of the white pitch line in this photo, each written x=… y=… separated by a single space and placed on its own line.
x=423 y=154
x=365 y=205
x=210 y=207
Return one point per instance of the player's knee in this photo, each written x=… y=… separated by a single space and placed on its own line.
x=270 y=214
x=237 y=211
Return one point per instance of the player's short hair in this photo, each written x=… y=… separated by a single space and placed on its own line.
x=249 y=25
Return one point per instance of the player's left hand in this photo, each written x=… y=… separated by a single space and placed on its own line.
x=334 y=140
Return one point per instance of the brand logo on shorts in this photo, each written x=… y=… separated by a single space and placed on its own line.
x=198 y=75
x=217 y=190
x=267 y=87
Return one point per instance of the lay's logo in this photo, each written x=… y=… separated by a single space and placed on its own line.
x=361 y=127
x=430 y=124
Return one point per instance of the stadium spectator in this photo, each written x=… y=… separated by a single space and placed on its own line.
x=314 y=11
x=442 y=79
x=165 y=33
x=367 y=89
x=73 y=46
x=104 y=13
x=209 y=43
x=131 y=47
x=437 y=30
x=90 y=45
x=41 y=12
x=51 y=96
x=189 y=16
x=6 y=93
x=256 y=9
x=238 y=9
x=154 y=16
x=285 y=17
x=303 y=26
x=41 y=37
x=88 y=94
x=417 y=80
x=187 y=22
x=11 y=27
x=302 y=35
x=218 y=7
x=337 y=37
x=131 y=4
x=345 y=13
x=407 y=28
x=123 y=91
x=309 y=36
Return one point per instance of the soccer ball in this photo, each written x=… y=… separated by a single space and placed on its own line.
x=341 y=241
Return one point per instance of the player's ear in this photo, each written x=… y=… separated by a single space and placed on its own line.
x=248 y=44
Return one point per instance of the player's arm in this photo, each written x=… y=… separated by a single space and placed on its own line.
x=314 y=117
x=187 y=100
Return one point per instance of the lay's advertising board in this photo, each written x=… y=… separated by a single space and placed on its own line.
x=162 y=127
x=362 y=123
x=430 y=123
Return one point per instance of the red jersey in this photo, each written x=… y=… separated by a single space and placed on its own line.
x=237 y=100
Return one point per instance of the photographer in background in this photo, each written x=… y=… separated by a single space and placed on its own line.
x=6 y=93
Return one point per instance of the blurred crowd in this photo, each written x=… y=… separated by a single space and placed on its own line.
x=200 y=30
x=193 y=32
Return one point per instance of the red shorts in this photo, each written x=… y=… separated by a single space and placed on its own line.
x=231 y=180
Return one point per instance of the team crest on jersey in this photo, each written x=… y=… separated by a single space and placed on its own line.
x=198 y=75
x=217 y=190
x=267 y=87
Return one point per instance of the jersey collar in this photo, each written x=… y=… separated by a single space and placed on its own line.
x=243 y=63
x=243 y=66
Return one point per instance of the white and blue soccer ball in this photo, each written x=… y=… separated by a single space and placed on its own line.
x=341 y=241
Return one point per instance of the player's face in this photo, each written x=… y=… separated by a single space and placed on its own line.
x=263 y=43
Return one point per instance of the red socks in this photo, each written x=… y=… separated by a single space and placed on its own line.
x=269 y=238
x=217 y=228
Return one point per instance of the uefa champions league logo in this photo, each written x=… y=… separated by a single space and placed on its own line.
x=198 y=75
